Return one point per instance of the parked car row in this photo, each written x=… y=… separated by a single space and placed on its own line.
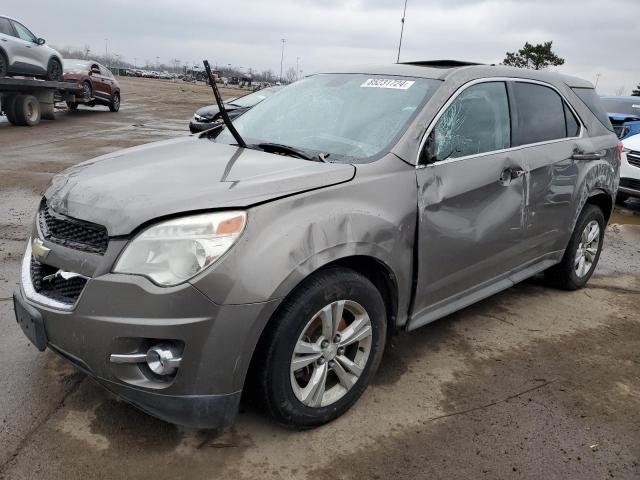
x=624 y=113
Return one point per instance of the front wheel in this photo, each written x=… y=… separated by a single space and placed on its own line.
x=4 y=65
x=54 y=70
x=114 y=106
x=324 y=348
x=582 y=254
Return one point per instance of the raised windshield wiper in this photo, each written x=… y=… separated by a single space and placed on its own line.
x=223 y=112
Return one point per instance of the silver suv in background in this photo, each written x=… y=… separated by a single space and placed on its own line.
x=277 y=259
x=22 y=53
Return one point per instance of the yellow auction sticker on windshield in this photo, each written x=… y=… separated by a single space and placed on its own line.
x=388 y=83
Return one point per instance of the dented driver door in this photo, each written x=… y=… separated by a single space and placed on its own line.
x=471 y=204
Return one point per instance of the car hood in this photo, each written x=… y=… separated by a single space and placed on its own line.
x=624 y=117
x=125 y=189
x=632 y=143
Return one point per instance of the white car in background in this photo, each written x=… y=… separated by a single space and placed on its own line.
x=630 y=169
x=22 y=53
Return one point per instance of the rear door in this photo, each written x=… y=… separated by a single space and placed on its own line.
x=549 y=133
x=471 y=199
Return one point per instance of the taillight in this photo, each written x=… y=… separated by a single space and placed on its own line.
x=620 y=146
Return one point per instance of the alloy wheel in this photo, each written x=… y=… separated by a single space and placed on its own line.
x=331 y=353
x=587 y=249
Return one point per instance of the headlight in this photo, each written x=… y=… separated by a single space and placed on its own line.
x=172 y=252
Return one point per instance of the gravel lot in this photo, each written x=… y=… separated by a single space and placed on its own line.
x=532 y=383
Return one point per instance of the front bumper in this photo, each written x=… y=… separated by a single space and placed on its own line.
x=125 y=313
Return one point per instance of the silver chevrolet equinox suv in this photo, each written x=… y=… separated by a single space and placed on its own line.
x=183 y=273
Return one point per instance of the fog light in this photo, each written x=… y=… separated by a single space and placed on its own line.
x=164 y=359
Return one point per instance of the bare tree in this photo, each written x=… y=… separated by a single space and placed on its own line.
x=291 y=75
x=620 y=91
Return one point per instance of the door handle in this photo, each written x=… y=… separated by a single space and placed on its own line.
x=509 y=174
x=578 y=155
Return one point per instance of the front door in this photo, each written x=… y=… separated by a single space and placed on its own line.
x=471 y=204
x=28 y=53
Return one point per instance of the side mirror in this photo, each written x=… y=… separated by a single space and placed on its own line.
x=427 y=154
x=40 y=41
x=95 y=70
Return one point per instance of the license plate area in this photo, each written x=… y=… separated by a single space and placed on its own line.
x=31 y=322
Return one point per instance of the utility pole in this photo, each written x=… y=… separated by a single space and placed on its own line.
x=297 y=67
x=404 y=14
x=106 y=51
x=134 y=62
x=282 y=58
x=597 y=80
x=158 y=63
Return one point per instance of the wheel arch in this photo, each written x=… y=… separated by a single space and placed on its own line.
x=601 y=199
x=374 y=269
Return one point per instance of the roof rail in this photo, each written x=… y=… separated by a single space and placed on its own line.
x=440 y=63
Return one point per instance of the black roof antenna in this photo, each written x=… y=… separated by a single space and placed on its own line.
x=223 y=112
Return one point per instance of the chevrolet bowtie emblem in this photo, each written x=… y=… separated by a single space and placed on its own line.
x=38 y=249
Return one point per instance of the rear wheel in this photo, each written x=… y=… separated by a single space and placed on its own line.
x=323 y=350
x=582 y=254
x=54 y=70
x=114 y=106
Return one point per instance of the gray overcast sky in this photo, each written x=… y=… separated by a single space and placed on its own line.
x=594 y=36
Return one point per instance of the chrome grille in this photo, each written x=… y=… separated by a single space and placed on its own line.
x=72 y=233
x=633 y=158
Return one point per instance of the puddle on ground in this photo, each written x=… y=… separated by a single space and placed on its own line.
x=626 y=214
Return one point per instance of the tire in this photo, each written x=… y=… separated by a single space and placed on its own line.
x=72 y=106
x=87 y=90
x=568 y=274
x=4 y=65
x=54 y=70
x=8 y=107
x=27 y=110
x=300 y=314
x=114 y=105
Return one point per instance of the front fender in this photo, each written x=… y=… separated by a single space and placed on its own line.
x=286 y=240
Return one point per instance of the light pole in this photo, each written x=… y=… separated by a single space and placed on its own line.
x=597 y=80
x=404 y=14
x=106 y=51
x=134 y=62
x=297 y=67
x=284 y=40
x=158 y=63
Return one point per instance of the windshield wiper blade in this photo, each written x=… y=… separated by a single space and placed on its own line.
x=223 y=112
x=279 y=147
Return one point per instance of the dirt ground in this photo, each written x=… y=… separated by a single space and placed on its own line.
x=532 y=383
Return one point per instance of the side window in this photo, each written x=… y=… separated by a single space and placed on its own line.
x=573 y=126
x=24 y=33
x=5 y=27
x=590 y=98
x=105 y=71
x=476 y=122
x=540 y=114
